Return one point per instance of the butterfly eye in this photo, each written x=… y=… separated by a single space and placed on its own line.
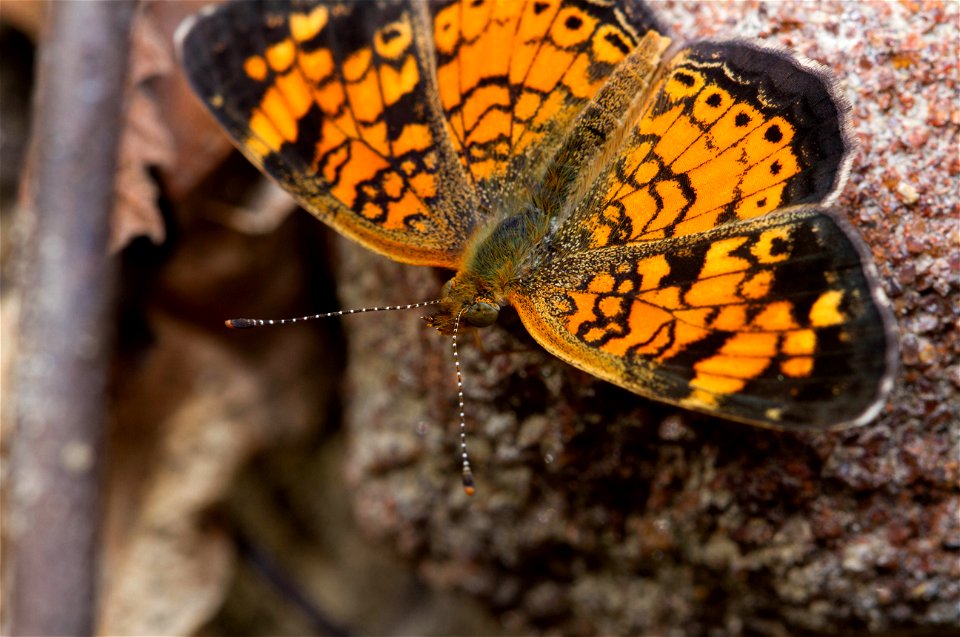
x=482 y=314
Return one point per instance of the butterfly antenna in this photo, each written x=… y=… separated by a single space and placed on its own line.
x=469 y=487
x=244 y=323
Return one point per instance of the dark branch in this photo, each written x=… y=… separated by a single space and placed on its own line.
x=65 y=326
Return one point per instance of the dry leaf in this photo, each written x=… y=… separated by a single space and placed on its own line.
x=147 y=142
x=199 y=143
x=26 y=16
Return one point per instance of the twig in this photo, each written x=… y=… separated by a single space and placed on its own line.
x=65 y=332
x=266 y=566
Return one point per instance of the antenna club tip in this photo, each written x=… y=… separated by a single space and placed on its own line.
x=239 y=324
x=469 y=487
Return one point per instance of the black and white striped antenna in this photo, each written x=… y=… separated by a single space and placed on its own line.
x=469 y=486
x=246 y=323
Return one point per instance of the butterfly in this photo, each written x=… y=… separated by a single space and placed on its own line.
x=660 y=216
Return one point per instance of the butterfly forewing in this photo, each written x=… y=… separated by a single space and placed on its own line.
x=337 y=102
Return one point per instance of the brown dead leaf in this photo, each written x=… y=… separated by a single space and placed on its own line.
x=200 y=144
x=187 y=416
x=147 y=141
x=171 y=461
x=265 y=207
x=191 y=404
x=26 y=16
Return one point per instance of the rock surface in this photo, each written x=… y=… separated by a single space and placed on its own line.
x=599 y=512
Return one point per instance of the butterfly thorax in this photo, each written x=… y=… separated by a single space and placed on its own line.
x=495 y=259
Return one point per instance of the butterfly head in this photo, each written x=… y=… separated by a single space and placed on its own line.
x=463 y=296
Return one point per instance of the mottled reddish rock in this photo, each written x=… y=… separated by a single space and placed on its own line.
x=600 y=512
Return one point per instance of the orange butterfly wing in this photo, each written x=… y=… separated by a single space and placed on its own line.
x=690 y=272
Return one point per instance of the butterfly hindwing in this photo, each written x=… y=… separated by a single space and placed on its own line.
x=773 y=320
x=692 y=272
x=337 y=103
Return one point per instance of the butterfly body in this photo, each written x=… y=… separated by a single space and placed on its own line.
x=491 y=269
x=659 y=219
